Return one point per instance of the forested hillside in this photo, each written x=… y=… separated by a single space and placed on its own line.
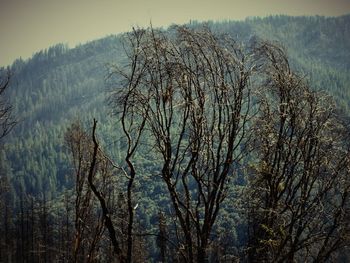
x=60 y=86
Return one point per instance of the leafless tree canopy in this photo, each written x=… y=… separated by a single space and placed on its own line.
x=95 y=185
x=299 y=192
x=191 y=95
x=7 y=120
x=202 y=103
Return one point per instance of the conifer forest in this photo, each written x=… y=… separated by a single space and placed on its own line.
x=204 y=142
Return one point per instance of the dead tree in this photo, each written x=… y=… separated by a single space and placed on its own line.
x=89 y=177
x=95 y=181
x=189 y=93
x=299 y=187
x=128 y=172
x=7 y=120
x=162 y=237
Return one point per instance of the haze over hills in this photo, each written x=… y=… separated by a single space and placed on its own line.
x=59 y=85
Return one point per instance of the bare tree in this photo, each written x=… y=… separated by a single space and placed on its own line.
x=191 y=95
x=186 y=97
x=299 y=187
x=7 y=122
x=94 y=184
x=133 y=251
x=6 y=118
x=162 y=237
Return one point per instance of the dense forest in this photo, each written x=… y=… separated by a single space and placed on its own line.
x=210 y=142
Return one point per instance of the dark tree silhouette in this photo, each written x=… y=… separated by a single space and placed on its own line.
x=7 y=120
x=201 y=102
x=190 y=96
x=88 y=224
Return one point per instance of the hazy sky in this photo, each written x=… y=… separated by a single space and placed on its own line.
x=27 y=26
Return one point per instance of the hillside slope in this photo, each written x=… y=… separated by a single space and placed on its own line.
x=60 y=85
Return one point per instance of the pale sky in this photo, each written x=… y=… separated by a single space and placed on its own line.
x=27 y=26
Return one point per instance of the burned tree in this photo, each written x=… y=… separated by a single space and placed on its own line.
x=190 y=93
x=299 y=187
